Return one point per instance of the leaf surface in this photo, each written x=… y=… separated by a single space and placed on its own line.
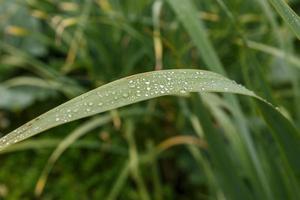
x=123 y=92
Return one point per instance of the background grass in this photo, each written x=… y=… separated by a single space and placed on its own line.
x=210 y=146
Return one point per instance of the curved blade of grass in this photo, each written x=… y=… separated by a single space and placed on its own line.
x=123 y=92
x=288 y=15
x=133 y=89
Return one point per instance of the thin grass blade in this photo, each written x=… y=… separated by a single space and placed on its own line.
x=288 y=15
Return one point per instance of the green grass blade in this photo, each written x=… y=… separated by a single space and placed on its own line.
x=120 y=182
x=288 y=138
x=285 y=132
x=233 y=186
x=188 y=15
x=123 y=92
x=134 y=161
x=288 y=15
x=292 y=59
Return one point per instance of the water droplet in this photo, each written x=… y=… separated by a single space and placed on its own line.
x=131 y=84
x=183 y=91
x=125 y=95
x=88 y=109
x=100 y=104
x=90 y=104
x=57 y=119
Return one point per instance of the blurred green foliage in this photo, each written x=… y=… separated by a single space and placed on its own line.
x=52 y=51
